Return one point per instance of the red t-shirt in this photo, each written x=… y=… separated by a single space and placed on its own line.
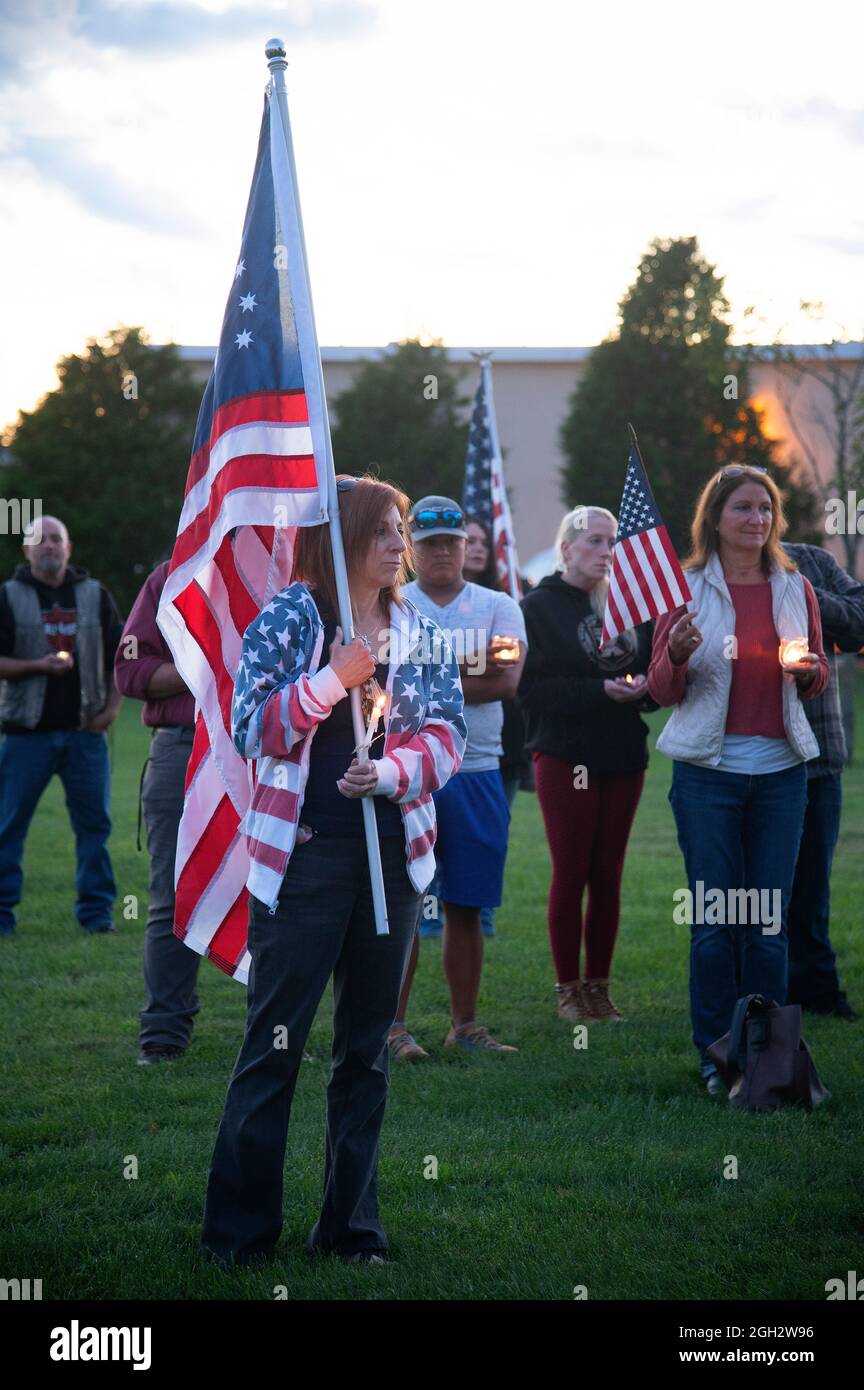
x=756 y=696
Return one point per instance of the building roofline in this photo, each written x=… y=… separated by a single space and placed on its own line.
x=810 y=352
x=454 y=354
x=803 y=351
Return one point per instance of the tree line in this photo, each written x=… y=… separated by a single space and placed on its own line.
x=108 y=450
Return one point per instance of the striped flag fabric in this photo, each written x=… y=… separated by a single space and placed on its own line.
x=483 y=493
x=257 y=472
x=646 y=578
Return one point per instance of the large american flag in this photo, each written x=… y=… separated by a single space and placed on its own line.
x=646 y=578
x=483 y=493
x=257 y=473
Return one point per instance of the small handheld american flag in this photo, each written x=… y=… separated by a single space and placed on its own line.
x=646 y=578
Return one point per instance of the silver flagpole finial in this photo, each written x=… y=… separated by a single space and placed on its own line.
x=276 y=52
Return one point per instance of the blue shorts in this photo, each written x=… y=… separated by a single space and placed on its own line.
x=473 y=825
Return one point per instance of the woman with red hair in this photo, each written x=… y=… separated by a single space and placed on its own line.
x=311 y=910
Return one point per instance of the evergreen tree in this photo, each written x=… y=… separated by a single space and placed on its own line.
x=402 y=417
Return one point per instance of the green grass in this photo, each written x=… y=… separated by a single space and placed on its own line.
x=557 y=1167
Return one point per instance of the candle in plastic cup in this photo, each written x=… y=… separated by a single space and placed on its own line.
x=505 y=648
x=792 y=649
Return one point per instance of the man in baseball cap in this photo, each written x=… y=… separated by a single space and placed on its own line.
x=436 y=516
x=473 y=823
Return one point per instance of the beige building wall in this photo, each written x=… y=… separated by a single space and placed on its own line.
x=532 y=389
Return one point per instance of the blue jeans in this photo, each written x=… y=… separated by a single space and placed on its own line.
x=736 y=830
x=27 y=764
x=812 y=964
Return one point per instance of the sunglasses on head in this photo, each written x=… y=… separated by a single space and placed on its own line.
x=739 y=470
x=430 y=517
x=346 y=484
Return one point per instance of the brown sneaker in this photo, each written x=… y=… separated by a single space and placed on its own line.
x=472 y=1037
x=598 y=1006
x=404 y=1048
x=570 y=1002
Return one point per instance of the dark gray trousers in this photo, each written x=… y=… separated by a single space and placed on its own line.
x=170 y=968
x=323 y=926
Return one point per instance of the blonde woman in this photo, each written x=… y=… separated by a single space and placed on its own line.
x=582 y=711
x=740 y=740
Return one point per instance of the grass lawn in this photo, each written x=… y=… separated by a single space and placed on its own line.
x=556 y=1167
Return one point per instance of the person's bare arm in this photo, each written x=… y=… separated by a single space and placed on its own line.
x=13 y=669
x=498 y=682
x=106 y=717
x=166 y=680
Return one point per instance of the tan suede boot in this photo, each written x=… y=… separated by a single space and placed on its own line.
x=599 y=1007
x=570 y=1002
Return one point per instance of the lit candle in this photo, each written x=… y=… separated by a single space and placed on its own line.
x=628 y=678
x=64 y=655
x=792 y=649
x=506 y=649
x=374 y=718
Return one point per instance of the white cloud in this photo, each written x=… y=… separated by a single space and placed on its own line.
x=489 y=172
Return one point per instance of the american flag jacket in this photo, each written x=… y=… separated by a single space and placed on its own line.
x=281 y=694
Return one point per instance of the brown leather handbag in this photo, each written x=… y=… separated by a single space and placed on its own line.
x=763 y=1060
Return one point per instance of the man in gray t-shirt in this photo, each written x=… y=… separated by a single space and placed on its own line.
x=487 y=632
x=470 y=621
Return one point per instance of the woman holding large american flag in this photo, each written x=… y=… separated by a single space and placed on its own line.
x=311 y=908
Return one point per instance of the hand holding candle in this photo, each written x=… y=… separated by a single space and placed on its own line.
x=792 y=649
x=362 y=776
x=504 y=650
x=798 y=660
x=361 y=779
x=623 y=689
x=58 y=663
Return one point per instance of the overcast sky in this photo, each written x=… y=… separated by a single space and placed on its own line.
x=482 y=171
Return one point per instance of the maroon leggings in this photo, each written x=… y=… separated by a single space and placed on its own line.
x=587 y=830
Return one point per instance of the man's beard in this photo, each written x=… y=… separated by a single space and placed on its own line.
x=51 y=564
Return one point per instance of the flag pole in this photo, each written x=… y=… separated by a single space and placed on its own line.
x=277 y=63
x=485 y=360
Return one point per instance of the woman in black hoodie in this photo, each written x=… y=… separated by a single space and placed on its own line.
x=589 y=748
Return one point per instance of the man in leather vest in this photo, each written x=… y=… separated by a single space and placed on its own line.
x=59 y=631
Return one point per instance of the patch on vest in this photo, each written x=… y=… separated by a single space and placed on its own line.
x=61 y=627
